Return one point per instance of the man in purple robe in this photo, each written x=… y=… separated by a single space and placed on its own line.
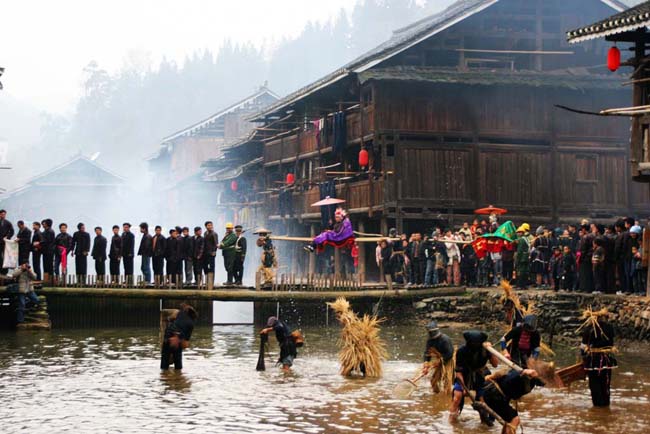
x=341 y=235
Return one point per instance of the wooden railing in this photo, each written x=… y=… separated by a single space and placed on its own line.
x=283 y=148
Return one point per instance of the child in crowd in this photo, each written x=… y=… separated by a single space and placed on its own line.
x=568 y=269
x=555 y=268
x=638 y=273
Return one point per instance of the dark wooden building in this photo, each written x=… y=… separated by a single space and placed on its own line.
x=457 y=111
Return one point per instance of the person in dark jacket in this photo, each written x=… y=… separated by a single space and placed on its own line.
x=610 y=259
x=385 y=254
x=63 y=246
x=597 y=350
x=440 y=346
x=99 y=254
x=555 y=267
x=240 y=255
x=80 y=250
x=188 y=250
x=598 y=259
x=6 y=231
x=288 y=350
x=197 y=255
x=47 y=248
x=227 y=247
x=525 y=341
x=145 y=251
x=128 y=252
x=621 y=245
x=210 y=246
x=158 y=250
x=471 y=368
x=174 y=256
x=468 y=265
x=24 y=239
x=568 y=269
x=115 y=254
x=177 y=336
x=585 y=270
x=500 y=389
x=37 y=249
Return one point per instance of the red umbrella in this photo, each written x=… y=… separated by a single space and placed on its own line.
x=328 y=201
x=490 y=210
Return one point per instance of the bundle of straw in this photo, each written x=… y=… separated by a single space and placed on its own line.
x=590 y=318
x=442 y=374
x=361 y=347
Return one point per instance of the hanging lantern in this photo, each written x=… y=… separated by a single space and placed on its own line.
x=233 y=185
x=613 y=58
x=290 y=178
x=364 y=158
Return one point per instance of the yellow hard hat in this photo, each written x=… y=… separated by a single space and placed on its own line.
x=229 y=225
x=524 y=228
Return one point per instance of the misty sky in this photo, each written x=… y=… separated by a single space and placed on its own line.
x=44 y=44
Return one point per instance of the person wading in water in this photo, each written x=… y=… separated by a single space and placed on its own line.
x=524 y=340
x=285 y=339
x=597 y=350
x=177 y=337
x=471 y=361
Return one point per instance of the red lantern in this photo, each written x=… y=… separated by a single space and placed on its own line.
x=290 y=178
x=364 y=158
x=233 y=185
x=613 y=59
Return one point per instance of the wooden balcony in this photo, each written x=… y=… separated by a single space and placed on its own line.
x=307 y=142
x=283 y=148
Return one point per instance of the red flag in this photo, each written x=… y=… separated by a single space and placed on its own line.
x=480 y=247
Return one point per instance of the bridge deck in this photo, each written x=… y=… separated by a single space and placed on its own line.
x=248 y=294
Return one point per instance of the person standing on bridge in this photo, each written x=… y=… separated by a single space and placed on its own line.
x=210 y=246
x=37 y=249
x=145 y=251
x=174 y=256
x=197 y=255
x=24 y=242
x=47 y=247
x=128 y=250
x=6 y=232
x=187 y=242
x=240 y=255
x=99 y=254
x=63 y=244
x=227 y=247
x=80 y=249
x=115 y=254
x=158 y=251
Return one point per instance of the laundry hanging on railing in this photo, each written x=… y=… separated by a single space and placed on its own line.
x=340 y=132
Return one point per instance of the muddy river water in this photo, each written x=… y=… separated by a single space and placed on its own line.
x=109 y=381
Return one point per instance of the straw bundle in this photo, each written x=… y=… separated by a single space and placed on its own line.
x=590 y=318
x=442 y=374
x=361 y=347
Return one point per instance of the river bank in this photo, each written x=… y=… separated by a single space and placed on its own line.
x=558 y=312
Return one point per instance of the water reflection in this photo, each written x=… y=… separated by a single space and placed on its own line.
x=108 y=381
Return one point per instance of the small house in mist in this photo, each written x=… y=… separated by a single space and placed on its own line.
x=454 y=112
x=180 y=164
x=78 y=190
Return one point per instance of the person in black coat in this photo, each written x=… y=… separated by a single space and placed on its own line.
x=80 y=250
x=36 y=248
x=177 y=336
x=597 y=350
x=525 y=341
x=145 y=251
x=115 y=254
x=62 y=248
x=24 y=242
x=240 y=255
x=173 y=255
x=188 y=250
x=99 y=254
x=158 y=251
x=197 y=255
x=128 y=251
x=6 y=231
x=210 y=246
x=47 y=248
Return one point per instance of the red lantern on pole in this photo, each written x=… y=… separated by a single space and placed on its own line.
x=364 y=158
x=290 y=178
x=233 y=185
x=613 y=59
